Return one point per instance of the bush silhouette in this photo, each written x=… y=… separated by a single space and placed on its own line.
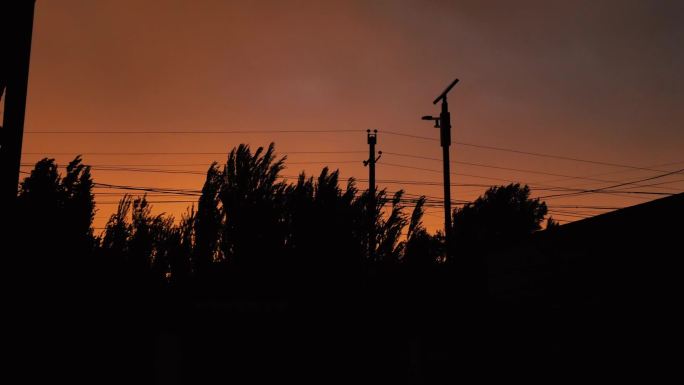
x=503 y=214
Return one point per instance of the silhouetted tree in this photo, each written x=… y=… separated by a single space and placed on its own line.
x=390 y=248
x=148 y=247
x=180 y=255
x=503 y=214
x=55 y=245
x=551 y=224
x=56 y=213
x=118 y=230
x=421 y=247
x=321 y=218
x=79 y=204
x=246 y=216
x=208 y=223
x=252 y=200
x=255 y=238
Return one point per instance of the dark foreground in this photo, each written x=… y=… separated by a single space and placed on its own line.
x=596 y=299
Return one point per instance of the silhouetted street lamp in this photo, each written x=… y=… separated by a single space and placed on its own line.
x=443 y=122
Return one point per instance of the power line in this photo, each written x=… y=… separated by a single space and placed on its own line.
x=124 y=168
x=619 y=171
x=401 y=182
x=407 y=196
x=150 y=189
x=411 y=198
x=501 y=167
x=394 y=133
x=512 y=181
x=175 y=191
x=409 y=135
x=557 y=157
x=569 y=214
x=589 y=207
x=127 y=167
x=614 y=186
x=148 y=201
x=205 y=164
x=438 y=171
x=531 y=153
x=146 y=153
x=171 y=192
x=124 y=193
x=185 y=132
x=351 y=161
x=660 y=183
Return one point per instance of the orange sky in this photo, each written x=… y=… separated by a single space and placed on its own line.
x=597 y=80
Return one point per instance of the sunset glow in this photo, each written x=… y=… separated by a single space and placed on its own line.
x=595 y=82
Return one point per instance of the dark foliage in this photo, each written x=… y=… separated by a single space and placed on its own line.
x=260 y=266
x=56 y=214
x=504 y=214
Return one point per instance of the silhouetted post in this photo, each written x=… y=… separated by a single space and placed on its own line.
x=14 y=68
x=372 y=140
x=444 y=125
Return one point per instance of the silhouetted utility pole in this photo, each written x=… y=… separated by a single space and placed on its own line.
x=14 y=67
x=372 y=140
x=443 y=122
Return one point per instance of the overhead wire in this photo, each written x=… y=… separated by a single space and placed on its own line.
x=572 y=191
x=590 y=191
